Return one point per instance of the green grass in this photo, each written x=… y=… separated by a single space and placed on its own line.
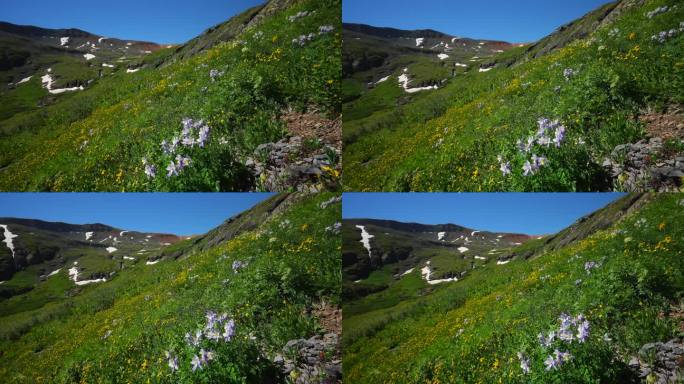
x=149 y=308
x=450 y=139
x=472 y=330
x=125 y=117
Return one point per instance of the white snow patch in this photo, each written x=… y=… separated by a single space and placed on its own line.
x=440 y=235
x=122 y=233
x=47 y=81
x=474 y=232
x=152 y=262
x=461 y=65
x=365 y=238
x=419 y=41
x=8 y=238
x=498 y=51
x=54 y=272
x=443 y=56
x=128 y=258
x=482 y=43
x=88 y=235
x=111 y=249
x=107 y=65
x=500 y=236
x=427 y=273
x=404 y=80
x=486 y=69
x=132 y=70
x=480 y=258
x=382 y=80
x=129 y=44
x=100 y=39
x=502 y=262
x=463 y=249
x=24 y=80
x=453 y=40
x=517 y=243
x=407 y=272
x=357 y=281
x=63 y=41
x=166 y=243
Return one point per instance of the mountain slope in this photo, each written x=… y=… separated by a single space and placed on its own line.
x=375 y=59
x=272 y=281
x=76 y=59
x=625 y=280
x=612 y=81
x=236 y=100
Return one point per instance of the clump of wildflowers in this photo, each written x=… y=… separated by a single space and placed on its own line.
x=557 y=360
x=217 y=328
x=215 y=74
x=589 y=265
x=569 y=73
x=299 y=15
x=524 y=363
x=323 y=29
x=238 y=265
x=657 y=11
x=303 y=39
x=150 y=169
x=661 y=37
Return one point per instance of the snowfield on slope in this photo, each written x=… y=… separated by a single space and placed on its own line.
x=8 y=238
x=404 y=81
x=426 y=272
x=365 y=238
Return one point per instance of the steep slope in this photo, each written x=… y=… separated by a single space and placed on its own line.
x=595 y=106
x=265 y=288
x=617 y=292
x=259 y=111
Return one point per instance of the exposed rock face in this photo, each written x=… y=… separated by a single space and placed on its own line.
x=280 y=167
x=306 y=360
x=645 y=166
x=661 y=363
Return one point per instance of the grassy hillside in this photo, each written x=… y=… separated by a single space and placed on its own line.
x=626 y=281
x=267 y=280
x=460 y=137
x=230 y=96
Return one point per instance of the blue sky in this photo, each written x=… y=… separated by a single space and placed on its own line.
x=508 y=20
x=177 y=213
x=531 y=213
x=159 y=21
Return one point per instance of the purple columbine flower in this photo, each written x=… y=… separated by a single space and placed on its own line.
x=183 y=161
x=562 y=357
x=228 y=330
x=172 y=361
x=527 y=169
x=524 y=363
x=196 y=363
x=172 y=169
x=150 y=170
x=583 y=331
x=546 y=341
x=550 y=363
x=237 y=265
x=203 y=135
x=560 y=135
x=505 y=168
